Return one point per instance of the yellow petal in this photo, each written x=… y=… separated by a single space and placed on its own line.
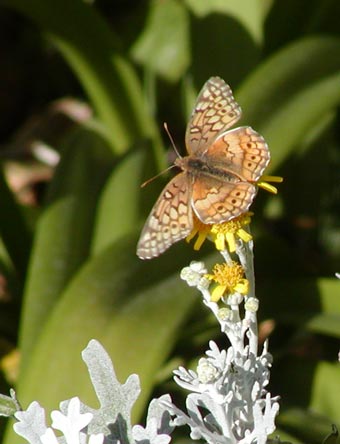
x=242 y=286
x=244 y=235
x=191 y=235
x=231 y=241
x=217 y=293
x=277 y=179
x=219 y=241
x=266 y=186
x=199 y=241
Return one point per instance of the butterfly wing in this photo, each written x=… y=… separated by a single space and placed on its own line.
x=241 y=151
x=170 y=219
x=215 y=201
x=215 y=111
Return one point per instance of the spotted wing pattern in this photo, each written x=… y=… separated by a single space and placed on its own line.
x=170 y=219
x=241 y=151
x=214 y=112
x=215 y=201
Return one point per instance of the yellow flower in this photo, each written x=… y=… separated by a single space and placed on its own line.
x=224 y=235
x=229 y=279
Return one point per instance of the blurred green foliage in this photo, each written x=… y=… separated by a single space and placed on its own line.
x=68 y=267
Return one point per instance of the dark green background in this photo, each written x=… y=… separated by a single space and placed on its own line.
x=69 y=263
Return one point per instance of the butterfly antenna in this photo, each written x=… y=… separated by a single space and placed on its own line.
x=155 y=177
x=171 y=166
x=171 y=139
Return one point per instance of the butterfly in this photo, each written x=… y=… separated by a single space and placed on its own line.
x=218 y=178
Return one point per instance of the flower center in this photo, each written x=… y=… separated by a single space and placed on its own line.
x=228 y=275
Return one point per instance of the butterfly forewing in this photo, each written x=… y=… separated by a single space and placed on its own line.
x=214 y=112
x=170 y=219
x=241 y=151
x=215 y=201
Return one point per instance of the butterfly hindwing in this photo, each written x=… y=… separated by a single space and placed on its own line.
x=215 y=201
x=170 y=219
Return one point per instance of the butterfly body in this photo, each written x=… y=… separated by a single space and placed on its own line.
x=195 y=166
x=218 y=177
x=205 y=166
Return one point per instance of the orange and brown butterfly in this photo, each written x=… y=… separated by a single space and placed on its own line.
x=219 y=174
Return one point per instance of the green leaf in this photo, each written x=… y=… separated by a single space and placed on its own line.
x=332 y=437
x=290 y=92
x=163 y=46
x=236 y=50
x=299 y=300
x=249 y=13
x=311 y=105
x=93 y=52
x=234 y=43
x=326 y=324
x=304 y=18
x=282 y=437
x=118 y=208
x=64 y=230
x=309 y=426
x=325 y=396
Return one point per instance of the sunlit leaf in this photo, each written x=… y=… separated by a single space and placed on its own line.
x=309 y=426
x=291 y=91
x=325 y=398
x=249 y=13
x=118 y=209
x=163 y=47
x=64 y=230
